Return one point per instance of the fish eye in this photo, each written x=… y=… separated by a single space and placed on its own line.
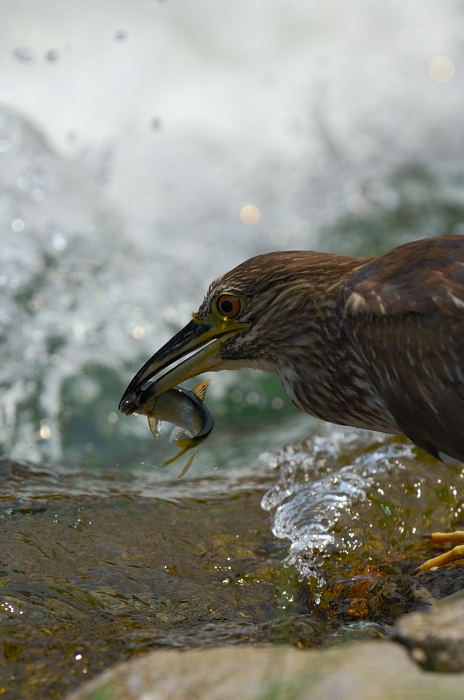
x=228 y=305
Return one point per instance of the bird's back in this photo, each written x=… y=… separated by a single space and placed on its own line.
x=404 y=313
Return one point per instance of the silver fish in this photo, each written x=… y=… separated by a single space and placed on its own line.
x=186 y=410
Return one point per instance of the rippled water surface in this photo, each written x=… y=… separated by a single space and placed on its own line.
x=97 y=571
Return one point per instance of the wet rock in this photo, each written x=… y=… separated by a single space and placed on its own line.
x=435 y=638
x=366 y=671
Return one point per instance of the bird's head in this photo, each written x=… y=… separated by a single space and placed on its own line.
x=247 y=319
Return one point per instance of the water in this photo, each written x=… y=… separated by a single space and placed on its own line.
x=341 y=476
x=100 y=568
x=132 y=137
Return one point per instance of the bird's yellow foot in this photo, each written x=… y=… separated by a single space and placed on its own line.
x=456 y=538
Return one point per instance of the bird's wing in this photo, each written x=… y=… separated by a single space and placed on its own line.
x=405 y=315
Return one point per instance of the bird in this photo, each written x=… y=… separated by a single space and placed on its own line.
x=369 y=342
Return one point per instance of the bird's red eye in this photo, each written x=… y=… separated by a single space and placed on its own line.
x=228 y=305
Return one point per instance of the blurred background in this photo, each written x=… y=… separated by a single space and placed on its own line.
x=147 y=146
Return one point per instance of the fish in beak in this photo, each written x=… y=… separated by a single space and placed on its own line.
x=199 y=342
x=187 y=411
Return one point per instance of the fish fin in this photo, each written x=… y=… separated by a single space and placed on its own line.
x=176 y=457
x=188 y=464
x=180 y=434
x=201 y=388
x=154 y=425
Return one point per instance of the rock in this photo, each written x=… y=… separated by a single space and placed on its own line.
x=364 y=671
x=435 y=638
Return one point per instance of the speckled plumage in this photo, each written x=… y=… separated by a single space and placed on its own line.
x=376 y=343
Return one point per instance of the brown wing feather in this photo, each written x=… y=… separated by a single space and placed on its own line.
x=406 y=318
x=419 y=277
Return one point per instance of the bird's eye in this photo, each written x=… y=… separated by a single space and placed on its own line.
x=228 y=305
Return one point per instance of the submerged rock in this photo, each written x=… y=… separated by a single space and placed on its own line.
x=370 y=671
x=435 y=638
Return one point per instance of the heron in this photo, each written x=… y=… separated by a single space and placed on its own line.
x=368 y=342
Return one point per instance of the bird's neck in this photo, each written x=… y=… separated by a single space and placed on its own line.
x=320 y=368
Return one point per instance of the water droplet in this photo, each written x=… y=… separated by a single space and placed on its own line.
x=22 y=53
x=52 y=55
x=59 y=241
x=441 y=69
x=17 y=225
x=138 y=332
x=45 y=431
x=79 y=333
x=155 y=123
x=250 y=214
x=252 y=398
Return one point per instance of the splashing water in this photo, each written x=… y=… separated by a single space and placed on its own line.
x=312 y=493
x=338 y=486
x=64 y=309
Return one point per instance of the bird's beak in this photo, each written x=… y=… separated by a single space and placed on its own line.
x=205 y=334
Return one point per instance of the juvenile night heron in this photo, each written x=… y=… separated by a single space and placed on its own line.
x=375 y=343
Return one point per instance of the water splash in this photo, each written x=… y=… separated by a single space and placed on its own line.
x=75 y=295
x=327 y=485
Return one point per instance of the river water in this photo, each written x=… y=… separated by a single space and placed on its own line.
x=144 y=149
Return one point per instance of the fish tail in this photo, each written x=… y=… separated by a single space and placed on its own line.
x=201 y=388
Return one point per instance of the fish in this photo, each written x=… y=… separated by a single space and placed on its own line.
x=186 y=410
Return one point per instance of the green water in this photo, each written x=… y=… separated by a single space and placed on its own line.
x=94 y=571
